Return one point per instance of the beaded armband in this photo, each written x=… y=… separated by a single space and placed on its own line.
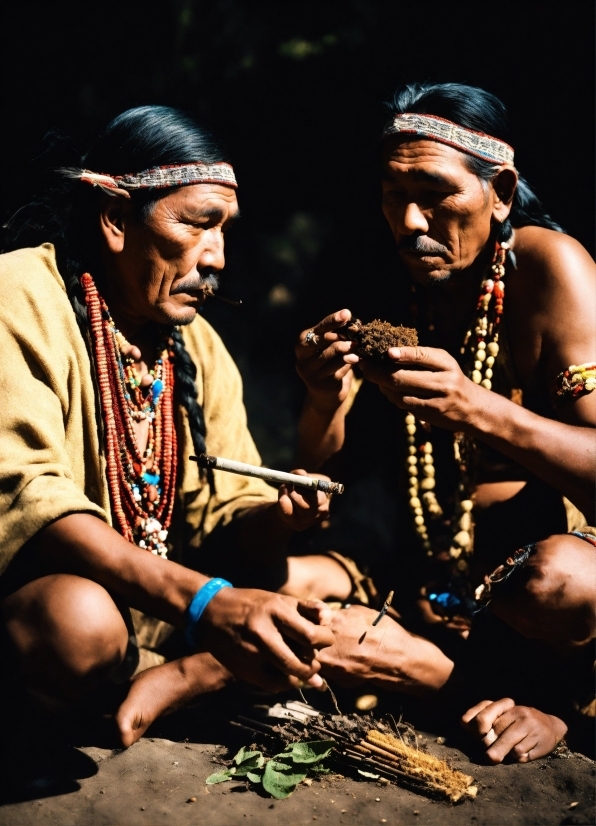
x=575 y=381
x=518 y=559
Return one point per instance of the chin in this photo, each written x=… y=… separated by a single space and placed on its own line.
x=429 y=277
x=179 y=316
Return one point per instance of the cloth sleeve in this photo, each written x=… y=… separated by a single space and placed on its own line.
x=42 y=398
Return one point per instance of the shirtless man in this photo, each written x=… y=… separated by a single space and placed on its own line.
x=465 y=224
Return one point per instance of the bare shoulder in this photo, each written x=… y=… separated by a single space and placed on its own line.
x=555 y=277
x=550 y=298
x=548 y=257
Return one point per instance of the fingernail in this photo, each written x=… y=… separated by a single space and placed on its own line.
x=394 y=352
x=316 y=681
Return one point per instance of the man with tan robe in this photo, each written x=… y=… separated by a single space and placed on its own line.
x=110 y=381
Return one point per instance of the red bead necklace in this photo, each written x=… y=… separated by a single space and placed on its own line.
x=142 y=486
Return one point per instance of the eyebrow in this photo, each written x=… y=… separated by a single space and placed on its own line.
x=214 y=212
x=420 y=175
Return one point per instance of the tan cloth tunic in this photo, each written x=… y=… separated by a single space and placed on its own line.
x=51 y=456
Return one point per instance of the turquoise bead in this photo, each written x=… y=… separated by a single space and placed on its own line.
x=156 y=389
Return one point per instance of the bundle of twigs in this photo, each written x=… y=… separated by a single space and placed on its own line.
x=370 y=748
x=385 y=755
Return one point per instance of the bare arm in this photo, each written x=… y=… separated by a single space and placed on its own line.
x=563 y=455
x=551 y=326
x=386 y=655
x=83 y=545
x=246 y=629
x=325 y=366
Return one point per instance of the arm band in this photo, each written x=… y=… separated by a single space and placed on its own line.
x=198 y=604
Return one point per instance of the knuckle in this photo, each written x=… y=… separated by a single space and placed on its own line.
x=483 y=723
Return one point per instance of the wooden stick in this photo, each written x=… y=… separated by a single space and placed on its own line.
x=242 y=469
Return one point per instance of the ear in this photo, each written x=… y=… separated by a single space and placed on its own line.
x=504 y=185
x=113 y=212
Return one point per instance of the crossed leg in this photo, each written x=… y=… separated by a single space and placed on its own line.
x=69 y=638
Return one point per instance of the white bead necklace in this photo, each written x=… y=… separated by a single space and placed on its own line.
x=481 y=346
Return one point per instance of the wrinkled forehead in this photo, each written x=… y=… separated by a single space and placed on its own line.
x=202 y=197
x=420 y=158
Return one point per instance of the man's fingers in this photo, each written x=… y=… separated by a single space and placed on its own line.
x=417 y=382
x=513 y=734
x=331 y=322
x=485 y=718
x=529 y=748
x=284 y=502
x=430 y=358
x=316 y=611
x=472 y=712
x=325 y=357
x=307 y=634
x=313 y=336
x=282 y=657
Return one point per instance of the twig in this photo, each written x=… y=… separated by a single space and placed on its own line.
x=384 y=609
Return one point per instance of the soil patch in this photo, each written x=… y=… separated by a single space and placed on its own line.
x=73 y=777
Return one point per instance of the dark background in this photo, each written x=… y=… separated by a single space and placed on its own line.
x=295 y=92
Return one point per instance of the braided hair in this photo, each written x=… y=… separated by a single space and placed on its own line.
x=476 y=109
x=66 y=215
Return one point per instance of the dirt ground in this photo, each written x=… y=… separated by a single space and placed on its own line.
x=71 y=775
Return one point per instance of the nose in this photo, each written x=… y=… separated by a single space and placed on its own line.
x=212 y=250
x=411 y=220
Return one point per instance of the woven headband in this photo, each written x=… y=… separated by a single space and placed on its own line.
x=444 y=131
x=159 y=177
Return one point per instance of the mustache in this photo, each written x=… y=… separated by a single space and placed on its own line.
x=421 y=244
x=199 y=282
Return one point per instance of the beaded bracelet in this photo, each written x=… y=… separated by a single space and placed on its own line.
x=198 y=604
x=577 y=379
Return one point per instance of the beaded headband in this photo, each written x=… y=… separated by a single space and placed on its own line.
x=159 y=177
x=444 y=131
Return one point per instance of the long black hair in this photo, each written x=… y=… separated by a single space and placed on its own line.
x=475 y=109
x=66 y=214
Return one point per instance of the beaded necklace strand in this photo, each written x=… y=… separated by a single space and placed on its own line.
x=142 y=486
x=479 y=351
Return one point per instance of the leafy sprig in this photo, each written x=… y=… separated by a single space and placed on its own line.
x=280 y=774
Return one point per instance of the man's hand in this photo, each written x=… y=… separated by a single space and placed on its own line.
x=325 y=362
x=300 y=508
x=385 y=655
x=429 y=383
x=521 y=732
x=266 y=639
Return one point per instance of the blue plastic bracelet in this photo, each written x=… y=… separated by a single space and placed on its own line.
x=198 y=604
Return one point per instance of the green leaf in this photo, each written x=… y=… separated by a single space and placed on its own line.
x=280 y=779
x=249 y=759
x=219 y=777
x=318 y=770
x=255 y=777
x=309 y=753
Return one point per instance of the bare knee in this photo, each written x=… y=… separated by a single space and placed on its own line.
x=552 y=597
x=316 y=577
x=67 y=631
